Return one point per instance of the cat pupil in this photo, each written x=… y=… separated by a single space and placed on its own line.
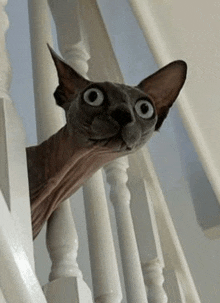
x=144 y=108
x=93 y=96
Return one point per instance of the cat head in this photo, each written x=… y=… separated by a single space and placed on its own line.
x=115 y=115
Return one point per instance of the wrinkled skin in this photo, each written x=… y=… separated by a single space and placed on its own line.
x=104 y=121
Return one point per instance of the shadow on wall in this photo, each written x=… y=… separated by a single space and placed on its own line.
x=206 y=205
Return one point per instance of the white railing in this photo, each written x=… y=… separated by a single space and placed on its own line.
x=145 y=228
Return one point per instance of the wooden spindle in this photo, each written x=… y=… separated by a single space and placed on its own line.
x=66 y=281
x=71 y=35
x=146 y=231
x=106 y=282
x=62 y=243
x=120 y=197
x=153 y=277
x=61 y=233
x=74 y=48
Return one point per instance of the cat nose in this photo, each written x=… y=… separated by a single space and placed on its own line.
x=122 y=116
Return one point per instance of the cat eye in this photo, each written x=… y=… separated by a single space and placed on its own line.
x=93 y=96
x=144 y=109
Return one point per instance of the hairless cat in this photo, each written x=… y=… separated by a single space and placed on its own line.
x=104 y=121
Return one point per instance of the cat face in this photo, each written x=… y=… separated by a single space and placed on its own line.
x=118 y=116
x=115 y=115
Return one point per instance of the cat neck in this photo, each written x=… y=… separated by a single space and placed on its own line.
x=51 y=155
x=56 y=169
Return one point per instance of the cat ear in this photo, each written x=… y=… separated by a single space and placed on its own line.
x=164 y=86
x=70 y=82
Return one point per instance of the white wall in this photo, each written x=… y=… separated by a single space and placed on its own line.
x=189 y=196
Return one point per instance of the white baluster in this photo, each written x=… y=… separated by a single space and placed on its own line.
x=73 y=45
x=120 y=197
x=146 y=231
x=103 y=65
x=66 y=283
x=71 y=35
x=49 y=116
x=61 y=234
x=62 y=243
x=153 y=277
x=106 y=282
x=5 y=70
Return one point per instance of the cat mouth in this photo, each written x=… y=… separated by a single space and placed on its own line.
x=118 y=138
x=116 y=143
